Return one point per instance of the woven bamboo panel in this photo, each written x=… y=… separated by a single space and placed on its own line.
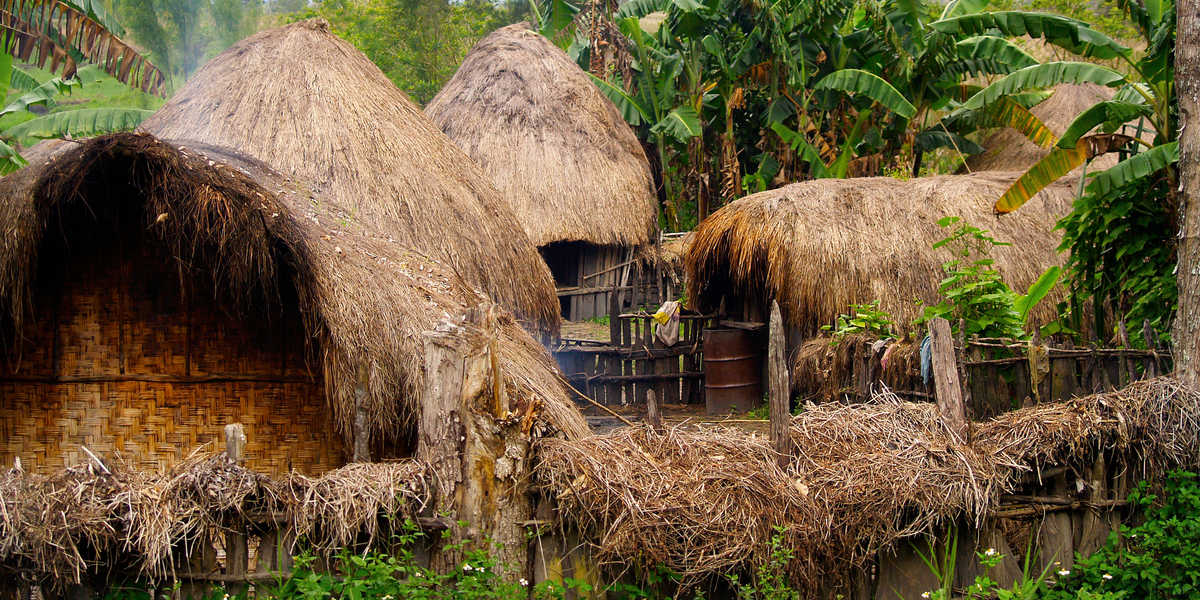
x=119 y=360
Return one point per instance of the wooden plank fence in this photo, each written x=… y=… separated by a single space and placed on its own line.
x=624 y=370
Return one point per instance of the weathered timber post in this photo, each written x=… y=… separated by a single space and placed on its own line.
x=475 y=447
x=653 y=415
x=946 y=383
x=361 y=449
x=780 y=392
x=237 y=552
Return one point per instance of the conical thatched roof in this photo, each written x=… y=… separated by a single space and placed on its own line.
x=820 y=246
x=311 y=107
x=566 y=161
x=366 y=298
x=1009 y=150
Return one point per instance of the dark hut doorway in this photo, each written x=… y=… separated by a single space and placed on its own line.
x=130 y=350
x=586 y=275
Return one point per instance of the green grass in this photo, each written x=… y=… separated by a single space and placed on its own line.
x=102 y=93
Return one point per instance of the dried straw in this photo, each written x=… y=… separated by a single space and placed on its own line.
x=863 y=476
x=558 y=150
x=820 y=246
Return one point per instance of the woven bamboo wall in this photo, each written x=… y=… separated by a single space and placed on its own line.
x=120 y=361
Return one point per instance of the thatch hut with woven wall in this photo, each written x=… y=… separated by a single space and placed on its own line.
x=819 y=246
x=267 y=251
x=562 y=156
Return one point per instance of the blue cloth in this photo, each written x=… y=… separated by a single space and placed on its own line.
x=927 y=359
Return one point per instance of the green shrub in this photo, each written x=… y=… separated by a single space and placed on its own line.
x=863 y=318
x=1158 y=559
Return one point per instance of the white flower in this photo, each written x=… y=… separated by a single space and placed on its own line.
x=467 y=568
x=990 y=552
x=1106 y=577
x=524 y=583
x=1063 y=573
x=925 y=595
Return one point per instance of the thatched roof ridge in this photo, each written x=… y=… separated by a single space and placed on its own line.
x=819 y=246
x=312 y=107
x=559 y=151
x=365 y=296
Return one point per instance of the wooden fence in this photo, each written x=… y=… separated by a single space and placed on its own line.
x=622 y=371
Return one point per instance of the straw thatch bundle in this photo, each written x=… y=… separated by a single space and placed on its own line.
x=864 y=476
x=1009 y=150
x=365 y=296
x=311 y=107
x=559 y=151
x=64 y=525
x=819 y=246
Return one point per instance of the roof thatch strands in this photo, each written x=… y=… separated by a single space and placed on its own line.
x=311 y=107
x=559 y=151
x=820 y=246
x=365 y=296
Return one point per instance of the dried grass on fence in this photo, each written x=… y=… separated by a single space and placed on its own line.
x=115 y=516
x=864 y=477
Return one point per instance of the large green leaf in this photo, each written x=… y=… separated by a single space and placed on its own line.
x=1037 y=292
x=682 y=123
x=956 y=8
x=1054 y=165
x=937 y=138
x=85 y=122
x=1064 y=32
x=6 y=71
x=870 y=85
x=1007 y=112
x=10 y=159
x=1042 y=76
x=41 y=95
x=20 y=80
x=1108 y=115
x=1134 y=167
x=803 y=149
x=631 y=111
x=995 y=48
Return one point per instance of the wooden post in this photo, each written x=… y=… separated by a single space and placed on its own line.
x=947 y=387
x=614 y=316
x=479 y=461
x=362 y=443
x=236 y=549
x=779 y=388
x=653 y=416
x=1152 y=362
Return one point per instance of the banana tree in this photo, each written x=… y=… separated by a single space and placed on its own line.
x=1144 y=91
x=911 y=71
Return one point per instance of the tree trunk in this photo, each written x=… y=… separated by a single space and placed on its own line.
x=476 y=449
x=1186 y=334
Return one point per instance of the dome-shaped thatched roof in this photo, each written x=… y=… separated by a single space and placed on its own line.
x=559 y=151
x=820 y=246
x=311 y=107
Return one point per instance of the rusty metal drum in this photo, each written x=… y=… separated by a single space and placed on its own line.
x=732 y=370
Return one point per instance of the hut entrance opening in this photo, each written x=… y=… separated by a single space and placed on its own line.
x=585 y=275
x=134 y=346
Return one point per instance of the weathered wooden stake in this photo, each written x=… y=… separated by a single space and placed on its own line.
x=947 y=387
x=362 y=443
x=653 y=416
x=1152 y=362
x=479 y=460
x=236 y=549
x=780 y=392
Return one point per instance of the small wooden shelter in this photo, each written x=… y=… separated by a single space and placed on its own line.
x=268 y=251
x=819 y=246
x=562 y=156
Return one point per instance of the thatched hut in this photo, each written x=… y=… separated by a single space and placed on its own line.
x=819 y=246
x=228 y=266
x=559 y=151
x=335 y=120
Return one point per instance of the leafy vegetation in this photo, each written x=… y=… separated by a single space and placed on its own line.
x=974 y=294
x=865 y=319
